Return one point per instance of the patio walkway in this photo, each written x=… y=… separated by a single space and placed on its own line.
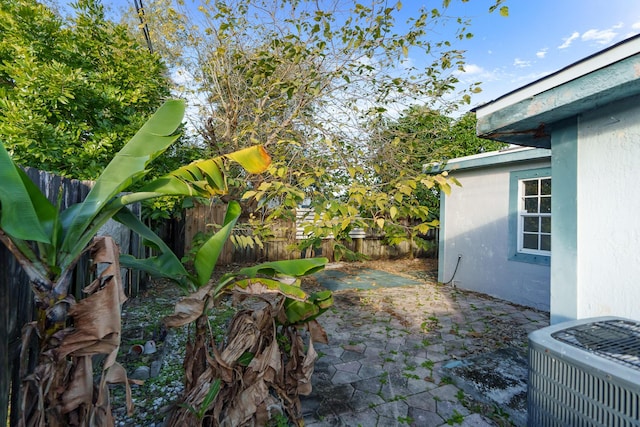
x=419 y=355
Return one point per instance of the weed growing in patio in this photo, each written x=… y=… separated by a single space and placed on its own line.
x=446 y=380
x=456 y=418
x=405 y=420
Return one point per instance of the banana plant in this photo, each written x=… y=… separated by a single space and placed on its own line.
x=263 y=357
x=48 y=244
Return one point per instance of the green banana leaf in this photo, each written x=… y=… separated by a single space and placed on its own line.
x=263 y=285
x=200 y=178
x=166 y=264
x=19 y=217
x=208 y=254
x=293 y=267
x=306 y=311
x=129 y=165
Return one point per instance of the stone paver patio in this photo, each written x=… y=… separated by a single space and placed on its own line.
x=389 y=346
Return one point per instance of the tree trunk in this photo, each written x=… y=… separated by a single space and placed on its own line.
x=60 y=391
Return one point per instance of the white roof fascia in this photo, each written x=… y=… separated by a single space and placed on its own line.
x=618 y=52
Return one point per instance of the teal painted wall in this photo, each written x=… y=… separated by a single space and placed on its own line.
x=564 y=234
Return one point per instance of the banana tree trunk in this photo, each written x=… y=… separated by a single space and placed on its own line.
x=61 y=391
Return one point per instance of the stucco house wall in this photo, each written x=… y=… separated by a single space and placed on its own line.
x=475 y=228
x=608 y=210
x=588 y=114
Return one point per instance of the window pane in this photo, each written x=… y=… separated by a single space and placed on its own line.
x=546 y=224
x=531 y=224
x=545 y=204
x=531 y=205
x=545 y=242
x=545 y=187
x=530 y=241
x=531 y=188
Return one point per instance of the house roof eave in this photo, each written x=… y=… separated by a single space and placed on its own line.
x=527 y=115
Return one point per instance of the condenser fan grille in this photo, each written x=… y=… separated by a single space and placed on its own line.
x=616 y=340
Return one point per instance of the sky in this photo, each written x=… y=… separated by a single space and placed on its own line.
x=538 y=37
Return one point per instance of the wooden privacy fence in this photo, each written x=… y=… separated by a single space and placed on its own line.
x=286 y=234
x=16 y=298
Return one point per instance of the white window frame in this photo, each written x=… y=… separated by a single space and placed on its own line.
x=522 y=214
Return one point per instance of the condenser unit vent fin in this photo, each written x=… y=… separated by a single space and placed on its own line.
x=616 y=340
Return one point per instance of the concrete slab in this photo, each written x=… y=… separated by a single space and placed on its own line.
x=498 y=378
x=365 y=278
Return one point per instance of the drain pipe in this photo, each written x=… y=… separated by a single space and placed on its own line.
x=454 y=271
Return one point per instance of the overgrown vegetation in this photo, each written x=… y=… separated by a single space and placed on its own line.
x=48 y=243
x=330 y=88
x=256 y=372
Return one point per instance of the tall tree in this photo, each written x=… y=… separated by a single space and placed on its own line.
x=419 y=139
x=72 y=91
x=307 y=78
x=421 y=136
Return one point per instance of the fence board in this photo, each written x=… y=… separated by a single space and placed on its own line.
x=201 y=217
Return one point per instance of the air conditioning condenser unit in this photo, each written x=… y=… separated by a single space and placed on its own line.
x=585 y=373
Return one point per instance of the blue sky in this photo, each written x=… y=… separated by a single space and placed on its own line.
x=538 y=37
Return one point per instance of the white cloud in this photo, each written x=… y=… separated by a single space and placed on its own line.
x=542 y=53
x=636 y=26
x=569 y=40
x=473 y=69
x=600 y=36
x=520 y=63
x=522 y=79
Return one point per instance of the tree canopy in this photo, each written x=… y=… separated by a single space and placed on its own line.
x=318 y=83
x=72 y=91
x=332 y=89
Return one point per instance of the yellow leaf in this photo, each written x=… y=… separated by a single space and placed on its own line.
x=248 y=194
x=405 y=189
x=393 y=212
x=380 y=222
x=504 y=11
x=254 y=159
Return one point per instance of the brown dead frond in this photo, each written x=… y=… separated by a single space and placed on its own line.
x=62 y=384
x=263 y=367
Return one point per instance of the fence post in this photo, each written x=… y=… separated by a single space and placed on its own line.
x=5 y=382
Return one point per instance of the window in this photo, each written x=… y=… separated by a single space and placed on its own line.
x=534 y=224
x=530 y=216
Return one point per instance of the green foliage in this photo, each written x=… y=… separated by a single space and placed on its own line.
x=27 y=216
x=199 y=413
x=48 y=243
x=317 y=83
x=421 y=137
x=72 y=92
x=455 y=418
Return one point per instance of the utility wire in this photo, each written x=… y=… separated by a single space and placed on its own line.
x=143 y=23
